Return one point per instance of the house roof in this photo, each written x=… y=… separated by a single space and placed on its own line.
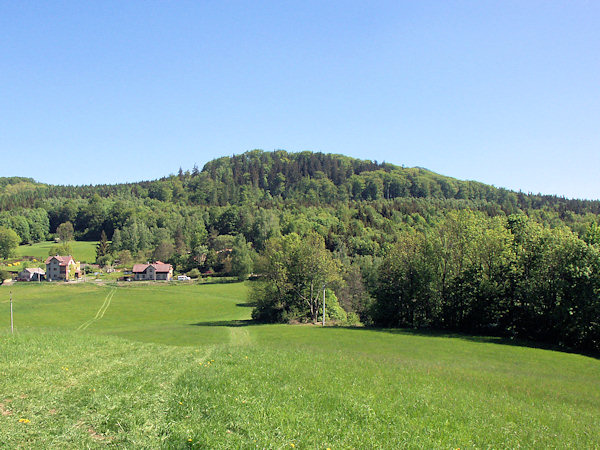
x=62 y=260
x=161 y=266
x=138 y=268
x=158 y=267
x=35 y=270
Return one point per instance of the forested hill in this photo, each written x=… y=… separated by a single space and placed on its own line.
x=306 y=177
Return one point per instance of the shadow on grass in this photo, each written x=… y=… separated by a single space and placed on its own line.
x=415 y=332
x=216 y=280
x=226 y=323
x=246 y=305
x=514 y=342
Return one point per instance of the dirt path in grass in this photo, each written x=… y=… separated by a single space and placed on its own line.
x=100 y=313
x=239 y=336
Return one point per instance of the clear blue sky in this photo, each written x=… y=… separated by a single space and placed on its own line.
x=505 y=92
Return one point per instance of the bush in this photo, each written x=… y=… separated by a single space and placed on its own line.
x=194 y=273
x=353 y=319
x=105 y=260
x=333 y=310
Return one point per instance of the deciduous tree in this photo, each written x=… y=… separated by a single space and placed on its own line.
x=9 y=241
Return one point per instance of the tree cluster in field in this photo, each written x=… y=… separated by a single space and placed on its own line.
x=393 y=246
x=508 y=276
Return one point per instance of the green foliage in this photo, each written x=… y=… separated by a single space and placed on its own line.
x=125 y=258
x=104 y=260
x=194 y=273
x=592 y=235
x=117 y=242
x=333 y=311
x=295 y=270
x=30 y=224
x=65 y=231
x=512 y=277
x=241 y=258
x=102 y=249
x=62 y=249
x=163 y=251
x=9 y=241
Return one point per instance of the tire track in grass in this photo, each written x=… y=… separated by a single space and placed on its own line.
x=100 y=313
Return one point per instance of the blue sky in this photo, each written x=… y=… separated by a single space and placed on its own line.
x=507 y=93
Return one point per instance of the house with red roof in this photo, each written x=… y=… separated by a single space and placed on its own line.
x=155 y=271
x=63 y=268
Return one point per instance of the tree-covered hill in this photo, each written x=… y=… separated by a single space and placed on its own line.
x=311 y=178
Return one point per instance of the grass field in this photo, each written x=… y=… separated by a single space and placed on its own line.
x=84 y=251
x=180 y=366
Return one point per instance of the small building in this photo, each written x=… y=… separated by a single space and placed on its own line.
x=62 y=268
x=31 y=274
x=155 y=271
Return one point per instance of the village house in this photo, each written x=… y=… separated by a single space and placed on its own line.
x=31 y=274
x=62 y=268
x=155 y=271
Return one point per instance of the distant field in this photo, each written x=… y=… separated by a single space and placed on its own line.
x=193 y=371
x=84 y=251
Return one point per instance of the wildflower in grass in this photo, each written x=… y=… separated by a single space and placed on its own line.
x=24 y=420
x=190 y=440
x=292 y=444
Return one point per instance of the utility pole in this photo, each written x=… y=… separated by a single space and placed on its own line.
x=12 y=330
x=323 y=305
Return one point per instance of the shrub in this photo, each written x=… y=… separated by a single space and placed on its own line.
x=194 y=273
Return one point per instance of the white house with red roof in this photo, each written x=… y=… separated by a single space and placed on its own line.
x=155 y=271
x=62 y=268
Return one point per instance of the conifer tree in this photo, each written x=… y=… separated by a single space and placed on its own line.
x=102 y=248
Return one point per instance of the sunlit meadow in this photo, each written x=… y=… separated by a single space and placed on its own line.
x=181 y=365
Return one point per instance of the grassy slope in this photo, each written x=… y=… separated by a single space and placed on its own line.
x=268 y=386
x=84 y=251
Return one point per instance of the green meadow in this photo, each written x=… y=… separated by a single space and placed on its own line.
x=182 y=366
x=84 y=251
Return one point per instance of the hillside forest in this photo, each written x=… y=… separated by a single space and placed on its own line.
x=388 y=246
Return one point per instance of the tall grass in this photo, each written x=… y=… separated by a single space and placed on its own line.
x=194 y=372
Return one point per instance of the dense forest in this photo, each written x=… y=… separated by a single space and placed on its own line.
x=392 y=246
